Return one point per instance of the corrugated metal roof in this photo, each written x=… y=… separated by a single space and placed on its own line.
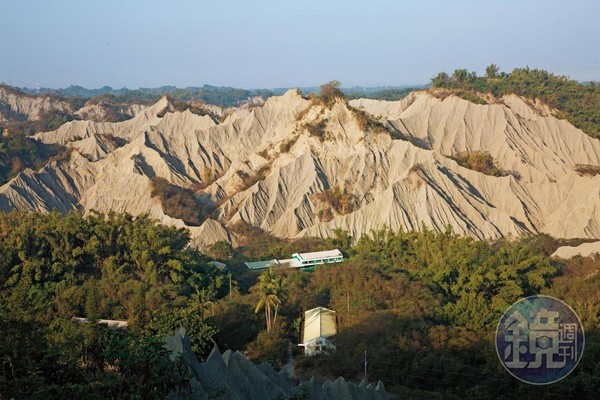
x=217 y=264
x=317 y=255
x=111 y=323
x=318 y=322
x=290 y=262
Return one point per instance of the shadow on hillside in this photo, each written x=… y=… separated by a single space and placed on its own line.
x=415 y=358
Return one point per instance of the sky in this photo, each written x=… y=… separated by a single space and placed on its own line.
x=270 y=44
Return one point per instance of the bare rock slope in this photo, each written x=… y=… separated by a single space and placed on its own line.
x=28 y=107
x=295 y=168
x=584 y=250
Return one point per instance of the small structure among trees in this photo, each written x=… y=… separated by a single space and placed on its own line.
x=319 y=327
x=306 y=261
x=317 y=257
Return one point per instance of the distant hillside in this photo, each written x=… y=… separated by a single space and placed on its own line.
x=24 y=112
x=579 y=103
x=297 y=167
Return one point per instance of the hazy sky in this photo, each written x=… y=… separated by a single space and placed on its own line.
x=285 y=43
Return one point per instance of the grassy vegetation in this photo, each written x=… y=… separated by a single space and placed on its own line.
x=368 y=123
x=249 y=180
x=286 y=146
x=470 y=96
x=328 y=95
x=317 y=129
x=336 y=200
x=181 y=203
x=587 y=169
x=18 y=152
x=480 y=161
x=576 y=102
x=181 y=106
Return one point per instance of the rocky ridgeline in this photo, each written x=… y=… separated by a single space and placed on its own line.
x=29 y=107
x=231 y=376
x=271 y=166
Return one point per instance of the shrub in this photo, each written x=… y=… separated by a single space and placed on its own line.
x=51 y=120
x=269 y=347
x=335 y=199
x=197 y=329
x=250 y=180
x=18 y=152
x=303 y=113
x=480 y=161
x=62 y=155
x=325 y=215
x=367 y=123
x=471 y=96
x=181 y=106
x=587 y=169
x=208 y=175
x=317 y=129
x=236 y=323
x=181 y=203
x=330 y=93
x=220 y=250
x=264 y=154
x=286 y=146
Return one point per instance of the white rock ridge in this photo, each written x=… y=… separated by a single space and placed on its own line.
x=584 y=250
x=265 y=166
x=31 y=107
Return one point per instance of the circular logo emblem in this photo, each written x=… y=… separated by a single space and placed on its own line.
x=539 y=340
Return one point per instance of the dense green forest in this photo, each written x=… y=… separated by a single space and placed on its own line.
x=424 y=305
x=578 y=103
x=55 y=267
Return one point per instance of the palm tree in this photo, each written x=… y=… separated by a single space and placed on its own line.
x=203 y=298
x=268 y=301
x=271 y=287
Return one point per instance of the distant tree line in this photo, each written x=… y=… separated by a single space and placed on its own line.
x=219 y=95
